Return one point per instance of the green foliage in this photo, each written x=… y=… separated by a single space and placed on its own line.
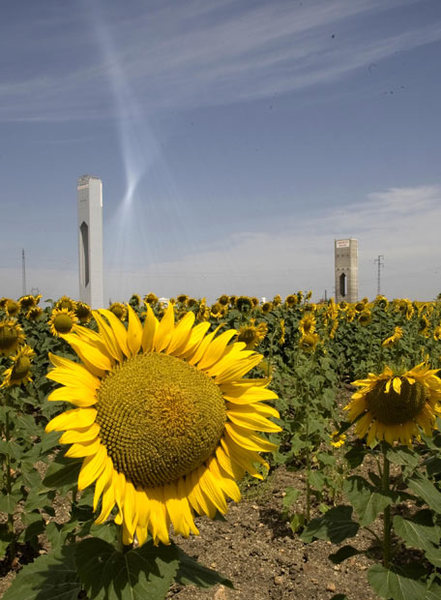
x=106 y=573
x=312 y=387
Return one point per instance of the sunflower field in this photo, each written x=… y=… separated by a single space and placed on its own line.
x=145 y=418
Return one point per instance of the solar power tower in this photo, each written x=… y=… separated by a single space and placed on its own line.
x=90 y=240
x=346 y=270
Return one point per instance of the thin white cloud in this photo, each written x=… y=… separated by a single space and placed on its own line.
x=400 y=223
x=185 y=55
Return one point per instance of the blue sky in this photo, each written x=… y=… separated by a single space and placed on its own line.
x=235 y=140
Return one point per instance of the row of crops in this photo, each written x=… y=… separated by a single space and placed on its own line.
x=348 y=393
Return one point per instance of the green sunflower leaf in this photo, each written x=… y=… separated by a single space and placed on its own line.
x=417 y=534
x=367 y=502
x=62 y=473
x=336 y=525
x=107 y=574
x=8 y=502
x=426 y=491
x=51 y=576
x=5 y=539
x=402 y=456
x=389 y=584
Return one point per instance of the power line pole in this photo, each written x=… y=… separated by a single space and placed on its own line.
x=380 y=264
x=23 y=271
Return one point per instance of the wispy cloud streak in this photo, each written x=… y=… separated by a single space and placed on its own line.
x=188 y=55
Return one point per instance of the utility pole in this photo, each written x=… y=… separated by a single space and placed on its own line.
x=23 y=271
x=380 y=264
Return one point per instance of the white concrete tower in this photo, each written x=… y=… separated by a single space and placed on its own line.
x=346 y=270
x=90 y=240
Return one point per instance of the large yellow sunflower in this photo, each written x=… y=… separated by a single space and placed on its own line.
x=164 y=419
x=393 y=406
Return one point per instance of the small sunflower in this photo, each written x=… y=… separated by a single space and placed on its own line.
x=351 y=313
x=359 y=306
x=203 y=311
x=244 y=304
x=119 y=310
x=309 y=341
x=397 y=335
x=27 y=302
x=393 y=406
x=282 y=332
x=20 y=371
x=34 y=313
x=224 y=300
x=150 y=299
x=164 y=419
x=11 y=336
x=382 y=302
x=365 y=317
x=62 y=321
x=12 y=308
x=291 y=300
x=83 y=312
x=337 y=439
x=307 y=324
x=252 y=334
x=217 y=310
x=277 y=300
x=406 y=308
x=65 y=302
x=437 y=333
x=267 y=307
x=135 y=301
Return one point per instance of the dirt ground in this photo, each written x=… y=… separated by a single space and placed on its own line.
x=255 y=548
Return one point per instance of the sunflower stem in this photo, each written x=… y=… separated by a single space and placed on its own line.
x=8 y=474
x=386 y=514
x=308 y=467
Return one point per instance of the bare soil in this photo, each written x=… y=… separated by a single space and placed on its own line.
x=256 y=549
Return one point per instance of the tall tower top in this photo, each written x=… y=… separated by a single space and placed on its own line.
x=84 y=179
x=90 y=239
